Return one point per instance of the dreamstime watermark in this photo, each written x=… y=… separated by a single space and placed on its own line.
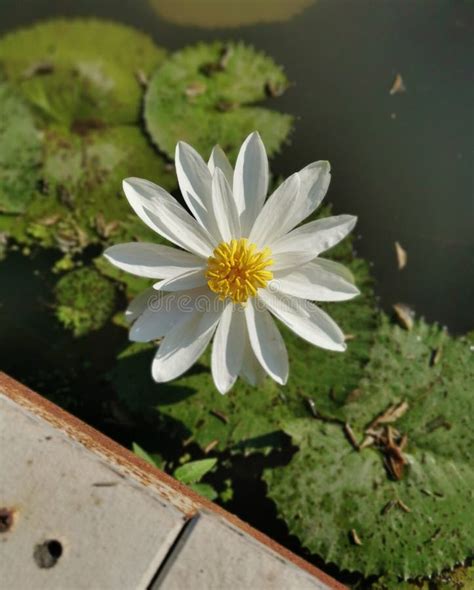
x=202 y=301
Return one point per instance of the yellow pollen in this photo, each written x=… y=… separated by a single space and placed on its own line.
x=237 y=269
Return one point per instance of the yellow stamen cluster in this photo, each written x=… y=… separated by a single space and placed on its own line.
x=237 y=269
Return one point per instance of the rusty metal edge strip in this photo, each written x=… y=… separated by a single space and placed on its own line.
x=176 y=493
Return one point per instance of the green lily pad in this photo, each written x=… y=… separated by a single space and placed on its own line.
x=84 y=301
x=81 y=201
x=347 y=507
x=20 y=152
x=81 y=69
x=205 y=95
x=460 y=578
x=250 y=419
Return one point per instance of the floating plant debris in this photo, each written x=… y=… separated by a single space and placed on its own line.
x=404 y=315
x=398 y=85
x=402 y=256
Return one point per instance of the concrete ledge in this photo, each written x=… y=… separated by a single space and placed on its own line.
x=79 y=511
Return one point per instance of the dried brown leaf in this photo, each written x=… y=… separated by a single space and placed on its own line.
x=211 y=446
x=50 y=220
x=436 y=355
x=351 y=436
x=195 y=89
x=391 y=414
x=220 y=415
x=398 y=85
x=355 y=537
x=404 y=315
x=402 y=256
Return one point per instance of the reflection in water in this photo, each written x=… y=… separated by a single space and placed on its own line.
x=212 y=14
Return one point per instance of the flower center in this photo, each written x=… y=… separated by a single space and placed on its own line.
x=237 y=269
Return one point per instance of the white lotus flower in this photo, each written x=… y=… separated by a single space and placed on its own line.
x=240 y=261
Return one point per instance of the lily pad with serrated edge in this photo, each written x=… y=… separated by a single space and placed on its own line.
x=251 y=418
x=205 y=95
x=20 y=152
x=80 y=69
x=82 y=200
x=459 y=578
x=342 y=504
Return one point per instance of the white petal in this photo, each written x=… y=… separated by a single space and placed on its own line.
x=138 y=305
x=277 y=209
x=158 y=316
x=312 y=238
x=336 y=268
x=251 y=369
x=313 y=281
x=250 y=180
x=228 y=348
x=305 y=319
x=315 y=179
x=183 y=345
x=267 y=342
x=288 y=260
x=291 y=209
x=225 y=211
x=218 y=159
x=162 y=213
x=151 y=260
x=195 y=180
x=190 y=279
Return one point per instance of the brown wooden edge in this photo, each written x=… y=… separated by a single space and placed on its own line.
x=183 y=498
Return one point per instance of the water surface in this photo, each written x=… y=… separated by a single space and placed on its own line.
x=402 y=163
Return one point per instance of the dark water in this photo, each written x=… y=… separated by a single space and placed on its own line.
x=402 y=163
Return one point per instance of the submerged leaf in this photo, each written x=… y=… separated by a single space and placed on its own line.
x=210 y=14
x=20 y=152
x=202 y=94
x=80 y=69
x=419 y=524
x=77 y=80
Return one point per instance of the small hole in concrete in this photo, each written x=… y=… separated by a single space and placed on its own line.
x=47 y=554
x=6 y=519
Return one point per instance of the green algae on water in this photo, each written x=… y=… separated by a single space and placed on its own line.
x=84 y=301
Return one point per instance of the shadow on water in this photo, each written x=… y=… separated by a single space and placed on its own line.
x=37 y=350
x=132 y=373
